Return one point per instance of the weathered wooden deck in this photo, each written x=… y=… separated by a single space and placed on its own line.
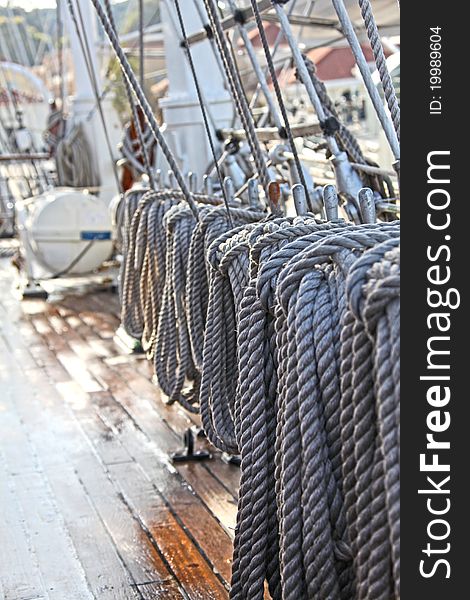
x=90 y=505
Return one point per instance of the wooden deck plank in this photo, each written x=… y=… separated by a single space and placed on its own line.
x=188 y=508
x=144 y=414
x=130 y=533
x=192 y=571
x=55 y=552
x=133 y=544
x=138 y=379
x=105 y=572
x=78 y=398
x=94 y=550
x=197 y=519
x=60 y=569
x=119 y=420
x=20 y=578
x=99 y=438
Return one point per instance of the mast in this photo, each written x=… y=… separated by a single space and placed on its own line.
x=84 y=103
x=181 y=109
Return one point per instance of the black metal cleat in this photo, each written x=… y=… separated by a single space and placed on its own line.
x=34 y=290
x=189 y=454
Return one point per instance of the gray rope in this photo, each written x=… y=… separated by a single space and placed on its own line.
x=287 y=329
x=237 y=91
x=250 y=554
x=350 y=34
x=144 y=104
x=381 y=63
x=374 y=300
x=286 y=132
x=345 y=138
x=75 y=166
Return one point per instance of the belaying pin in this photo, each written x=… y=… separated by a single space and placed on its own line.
x=171 y=180
x=208 y=185
x=274 y=197
x=300 y=199
x=253 y=193
x=192 y=181
x=367 y=204
x=158 y=178
x=330 y=202
x=229 y=189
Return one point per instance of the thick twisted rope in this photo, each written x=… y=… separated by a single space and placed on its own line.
x=297 y=372
x=144 y=104
x=374 y=301
x=250 y=555
x=381 y=63
x=237 y=91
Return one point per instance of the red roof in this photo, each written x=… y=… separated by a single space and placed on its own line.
x=336 y=63
x=331 y=62
x=271 y=30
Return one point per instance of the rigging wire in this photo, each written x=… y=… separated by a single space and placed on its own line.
x=107 y=88
x=141 y=43
x=203 y=108
x=210 y=37
x=86 y=52
x=16 y=115
x=204 y=100
x=350 y=34
x=135 y=115
x=60 y=53
x=145 y=106
x=276 y=46
x=15 y=39
x=277 y=90
x=238 y=95
x=381 y=63
x=259 y=72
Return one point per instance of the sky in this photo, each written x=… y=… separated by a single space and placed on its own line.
x=30 y=4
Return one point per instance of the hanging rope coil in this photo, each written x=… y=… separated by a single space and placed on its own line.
x=306 y=572
x=136 y=207
x=181 y=321
x=283 y=333
x=372 y=473
x=123 y=208
x=75 y=166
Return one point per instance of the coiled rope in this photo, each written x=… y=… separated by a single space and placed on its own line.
x=75 y=165
x=381 y=63
x=283 y=334
x=312 y=557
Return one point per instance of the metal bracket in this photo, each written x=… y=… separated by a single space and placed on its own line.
x=33 y=289
x=188 y=454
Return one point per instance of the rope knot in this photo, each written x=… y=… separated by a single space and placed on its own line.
x=343 y=551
